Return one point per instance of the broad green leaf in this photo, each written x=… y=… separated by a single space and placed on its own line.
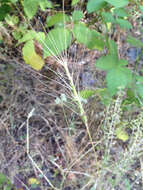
x=56 y=19
x=30 y=8
x=120 y=12
x=104 y=96
x=13 y=1
x=139 y=79
x=139 y=89
x=98 y=35
x=123 y=23
x=85 y=94
x=11 y=20
x=141 y=8
x=31 y=57
x=119 y=77
x=17 y=35
x=81 y=33
x=30 y=35
x=20 y=31
x=108 y=17
x=90 y=38
x=96 y=41
x=45 y=4
x=122 y=134
x=95 y=5
x=4 y=10
x=4 y=1
x=74 y=2
x=57 y=40
x=134 y=42
x=23 y=27
x=40 y=37
x=77 y=15
x=106 y=63
x=113 y=49
x=123 y=62
x=117 y=3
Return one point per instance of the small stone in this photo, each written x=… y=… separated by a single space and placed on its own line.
x=133 y=52
x=87 y=79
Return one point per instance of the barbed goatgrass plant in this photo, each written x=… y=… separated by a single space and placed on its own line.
x=66 y=29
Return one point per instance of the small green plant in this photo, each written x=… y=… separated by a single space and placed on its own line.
x=5 y=8
x=5 y=183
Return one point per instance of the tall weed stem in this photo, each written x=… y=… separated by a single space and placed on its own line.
x=79 y=104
